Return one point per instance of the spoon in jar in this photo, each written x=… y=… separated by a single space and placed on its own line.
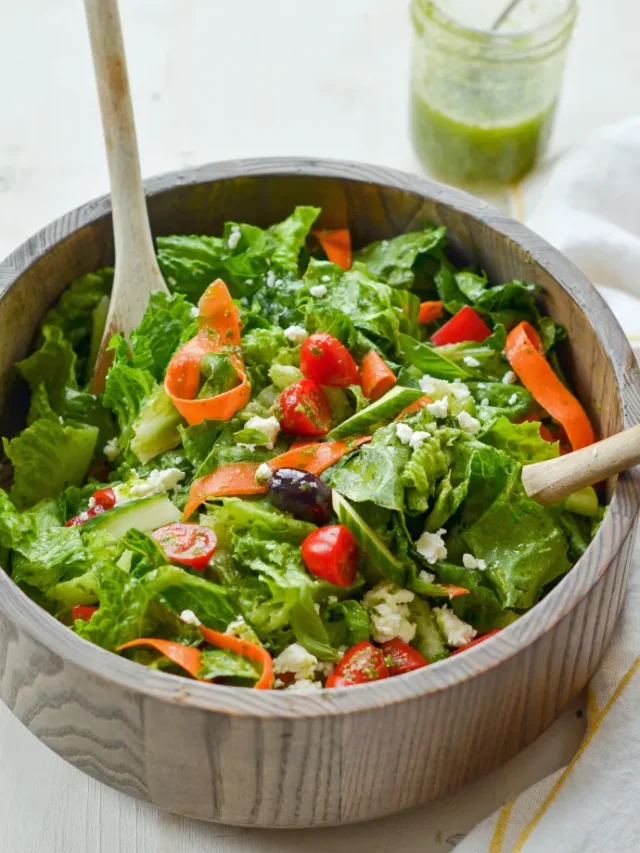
x=137 y=273
x=502 y=17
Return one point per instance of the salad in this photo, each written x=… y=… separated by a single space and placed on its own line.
x=304 y=469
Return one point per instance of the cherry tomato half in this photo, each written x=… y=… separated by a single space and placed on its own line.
x=331 y=553
x=83 y=611
x=361 y=664
x=305 y=409
x=475 y=642
x=188 y=544
x=327 y=361
x=466 y=325
x=401 y=657
x=103 y=499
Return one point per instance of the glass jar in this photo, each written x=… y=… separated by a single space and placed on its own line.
x=483 y=100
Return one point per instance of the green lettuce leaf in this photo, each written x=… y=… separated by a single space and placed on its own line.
x=429 y=361
x=166 y=325
x=228 y=667
x=52 y=364
x=347 y=623
x=373 y=473
x=521 y=441
x=393 y=261
x=127 y=388
x=156 y=429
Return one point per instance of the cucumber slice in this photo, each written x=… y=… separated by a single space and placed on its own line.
x=379 y=561
x=384 y=409
x=145 y=515
x=427 y=640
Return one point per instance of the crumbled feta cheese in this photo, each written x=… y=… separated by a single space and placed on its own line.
x=513 y=399
x=417 y=439
x=239 y=628
x=484 y=401
x=270 y=279
x=333 y=599
x=263 y=474
x=304 y=684
x=111 y=449
x=84 y=516
x=190 y=618
x=388 y=610
x=295 y=334
x=155 y=483
x=426 y=577
x=326 y=278
x=482 y=385
x=234 y=237
x=470 y=361
x=431 y=546
x=428 y=385
x=404 y=433
x=269 y=426
x=92 y=502
x=468 y=423
x=460 y=390
x=325 y=668
x=439 y=408
x=456 y=632
x=318 y=290
x=509 y=378
x=297 y=660
x=194 y=312
x=470 y=562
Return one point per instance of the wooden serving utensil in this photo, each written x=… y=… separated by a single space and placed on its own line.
x=137 y=273
x=551 y=481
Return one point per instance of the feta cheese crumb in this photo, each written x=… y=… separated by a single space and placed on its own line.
x=456 y=632
x=417 y=439
x=431 y=546
x=404 y=433
x=297 y=660
x=428 y=385
x=439 y=409
x=295 y=334
x=387 y=605
x=111 y=449
x=269 y=426
x=234 y=237
x=333 y=599
x=270 y=279
x=470 y=562
x=509 y=378
x=238 y=628
x=263 y=474
x=513 y=399
x=468 y=423
x=155 y=483
x=460 y=390
x=92 y=502
x=426 y=577
x=470 y=361
x=318 y=290
x=190 y=618
x=484 y=401
x=326 y=278
x=304 y=684
x=325 y=668
x=194 y=312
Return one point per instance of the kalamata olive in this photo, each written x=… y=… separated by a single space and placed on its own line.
x=303 y=495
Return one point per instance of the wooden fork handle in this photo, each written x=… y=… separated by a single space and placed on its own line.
x=551 y=481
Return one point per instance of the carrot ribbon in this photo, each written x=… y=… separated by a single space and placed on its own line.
x=524 y=351
x=376 y=378
x=219 y=330
x=187 y=657
x=429 y=312
x=336 y=245
x=239 y=478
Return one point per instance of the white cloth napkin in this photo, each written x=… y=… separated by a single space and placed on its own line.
x=588 y=205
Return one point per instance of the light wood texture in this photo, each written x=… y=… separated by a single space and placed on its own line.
x=137 y=273
x=551 y=481
x=344 y=755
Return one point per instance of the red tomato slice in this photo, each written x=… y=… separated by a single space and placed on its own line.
x=476 y=641
x=188 y=544
x=361 y=664
x=327 y=361
x=331 y=553
x=305 y=409
x=401 y=657
x=466 y=325
x=83 y=611
x=105 y=498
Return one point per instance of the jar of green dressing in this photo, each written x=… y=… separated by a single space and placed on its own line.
x=484 y=89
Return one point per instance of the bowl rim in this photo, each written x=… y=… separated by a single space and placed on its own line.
x=118 y=672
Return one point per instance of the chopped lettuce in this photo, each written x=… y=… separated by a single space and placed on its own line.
x=393 y=261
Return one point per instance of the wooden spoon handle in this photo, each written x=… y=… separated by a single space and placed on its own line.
x=551 y=481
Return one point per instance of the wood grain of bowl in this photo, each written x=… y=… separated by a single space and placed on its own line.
x=293 y=760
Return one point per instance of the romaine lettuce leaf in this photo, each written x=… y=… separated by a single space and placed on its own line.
x=429 y=361
x=228 y=667
x=520 y=441
x=167 y=323
x=373 y=473
x=127 y=388
x=156 y=429
x=393 y=261
x=52 y=364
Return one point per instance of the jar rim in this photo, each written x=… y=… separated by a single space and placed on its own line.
x=533 y=39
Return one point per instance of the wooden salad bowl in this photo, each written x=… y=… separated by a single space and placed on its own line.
x=280 y=759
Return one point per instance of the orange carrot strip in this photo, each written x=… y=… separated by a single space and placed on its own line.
x=523 y=350
x=252 y=651
x=430 y=311
x=219 y=329
x=187 y=657
x=336 y=245
x=453 y=591
x=375 y=376
x=416 y=406
x=238 y=478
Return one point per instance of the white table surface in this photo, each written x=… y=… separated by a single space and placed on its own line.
x=214 y=80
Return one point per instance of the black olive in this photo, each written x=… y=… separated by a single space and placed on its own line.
x=302 y=495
